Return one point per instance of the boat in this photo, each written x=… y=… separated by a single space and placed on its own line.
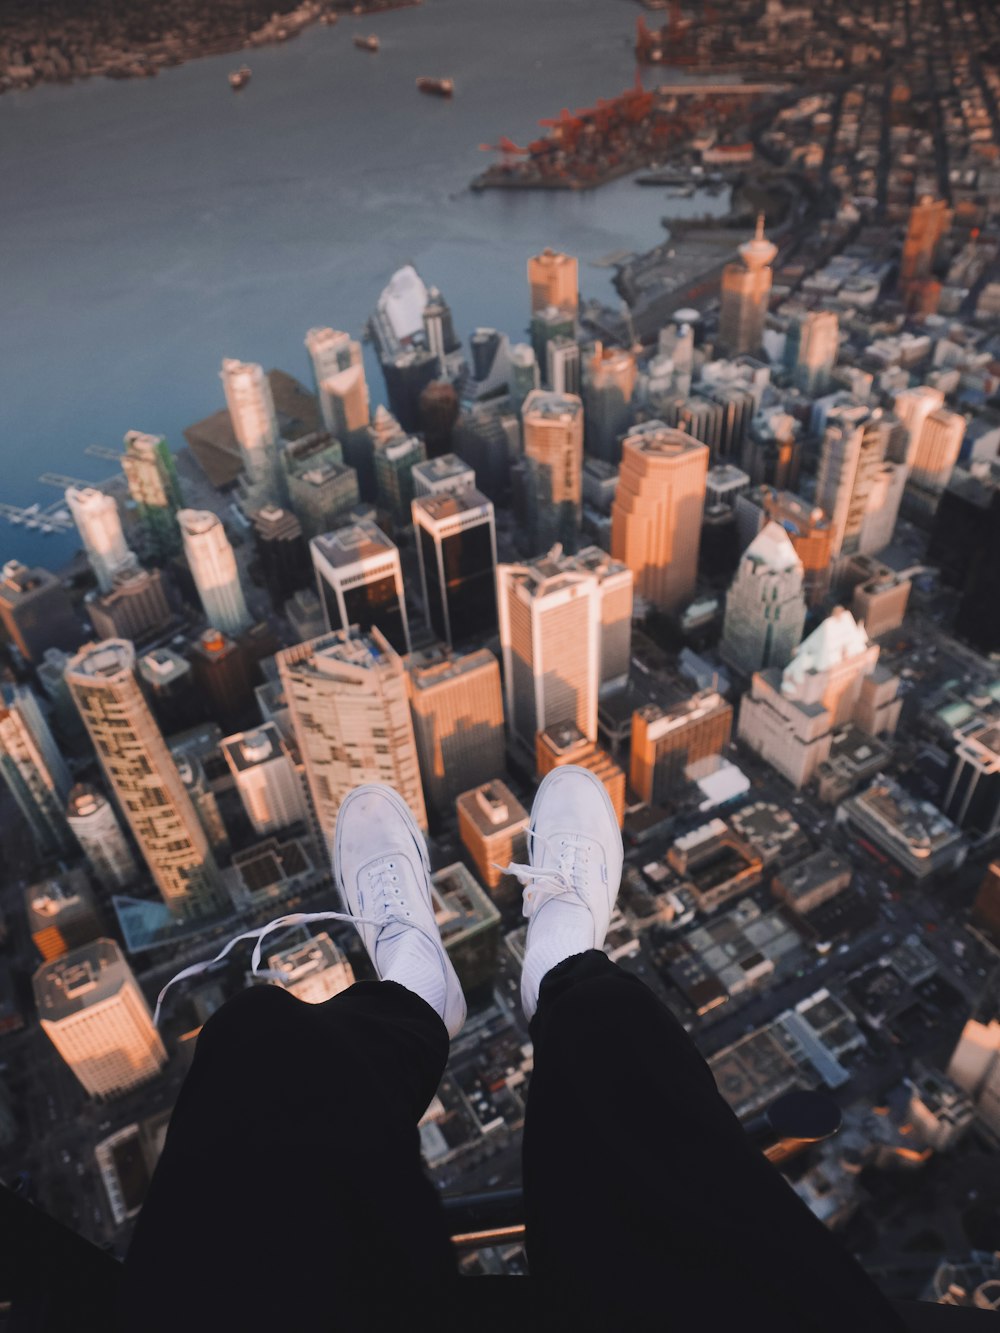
x=439 y=87
x=239 y=78
x=369 y=43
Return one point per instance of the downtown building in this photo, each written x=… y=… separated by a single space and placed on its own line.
x=360 y=582
x=100 y=527
x=266 y=779
x=609 y=383
x=213 y=567
x=153 y=484
x=657 y=513
x=553 y=456
x=746 y=291
x=667 y=741
x=91 y=1008
x=341 y=387
x=856 y=486
x=141 y=772
x=348 y=702
x=255 y=425
x=136 y=607
x=553 y=280
x=563 y=632
x=34 y=770
x=321 y=489
x=96 y=828
x=457 y=554
x=457 y=710
x=765 y=606
x=789 y=717
x=35 y=612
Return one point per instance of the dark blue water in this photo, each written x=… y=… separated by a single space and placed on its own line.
x=151 y=228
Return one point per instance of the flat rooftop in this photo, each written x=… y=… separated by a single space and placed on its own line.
x=84 y=977
x=348 y=546
x=449 y=505
x=435 y=666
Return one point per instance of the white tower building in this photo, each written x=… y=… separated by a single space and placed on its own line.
x=98 y=832
x=213 y=567
x=765 y=606
x=255 y=423
x=266 y=778
x=100 y=527
x=92 y=1010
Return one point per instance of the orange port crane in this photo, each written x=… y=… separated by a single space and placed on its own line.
x=507 y=148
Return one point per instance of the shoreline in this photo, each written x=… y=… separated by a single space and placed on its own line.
x=79 y=55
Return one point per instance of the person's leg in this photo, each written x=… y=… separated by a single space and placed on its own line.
x=641 y=1186
x=291 y=1178
x=291 y=1183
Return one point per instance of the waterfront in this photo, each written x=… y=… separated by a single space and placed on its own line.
x=155 y=226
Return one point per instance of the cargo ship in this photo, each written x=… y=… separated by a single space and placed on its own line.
x=436 y=87
x=369 y=43
x=239 y=78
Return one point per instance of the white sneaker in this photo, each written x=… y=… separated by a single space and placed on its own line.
x=576 y=858
x=381 y=865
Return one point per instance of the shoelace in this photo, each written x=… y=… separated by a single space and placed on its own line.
x=565 y=880
x=293 y=919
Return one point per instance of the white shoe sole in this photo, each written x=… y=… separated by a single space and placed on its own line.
x=454 y=1004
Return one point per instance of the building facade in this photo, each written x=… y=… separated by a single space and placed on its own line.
x=213 y=567
x=765 y=606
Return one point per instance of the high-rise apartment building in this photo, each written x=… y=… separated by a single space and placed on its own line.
x=360 y=582
x=553 y=452
x=34 y=770
x=811 y=350
x=789 y=717
x=213 y=568
x=91 y=1008
x=746 y=290
x=492 y=824
x=608 y=385
x=144 y=777
x=255 y=425
x=394 y=462
x=765 y=606
x=341 y=387
x=153 y=484
x=656 y=516
x=100 y=527
x=457 y=721
x=550 y=635
x=913 y=407
x=347 y=697
x=96 y=828
x=852 y=455
x=666 y=741
x=266 y=778
x=135 y=608
x=457 y=552
x=554 y=281
x=36 y=612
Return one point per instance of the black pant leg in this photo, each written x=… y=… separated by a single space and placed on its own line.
x=642 y=1189
x=291 y=1185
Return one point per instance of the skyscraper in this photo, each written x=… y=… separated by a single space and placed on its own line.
x=746 y=289
x=445 y=475
x=266 y=778
x=62 y=914
x=913 y=407
x=554 y=281
x=965 y=544
x=255 y=424
x=282 y=552
x=100 y=527
x=394 y=462
x=321 y=489
x=930 y=220
x=34 y=770
x=765 y=607
x=135 y=608
x=553 y=452
x=457 y=552
x=144 y=777
x=615 y=584
x=609 y=382
x=814 y=342
x=347 y=697
x=213 y=567
x=937 y=450
x=341 y=387
x=548 y=324
x=524 y=374
x=789 y=717
x=563 y=365
x=665 y=741
x=36 y=612
x=91 y=1008
x=972 y=798
x=98 y=832
x=550 y=635
x=656 y=515
x=153 y=484
x=810 y=532
x=360 y=582
x=457 y=721
x=852 y=453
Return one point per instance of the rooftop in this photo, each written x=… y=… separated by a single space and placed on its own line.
x=450 y=505
x=492 y=807
x=251 y=748
x=838 y=639
x=349 y=546
x=435 y=666
x=661 y=440
x=773 y=547
x=83 y=978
